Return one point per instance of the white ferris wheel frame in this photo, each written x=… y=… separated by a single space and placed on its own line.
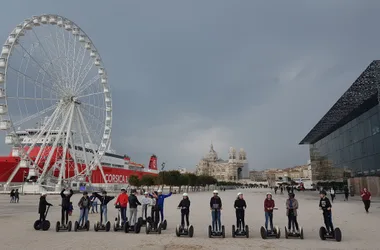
x=71 y=106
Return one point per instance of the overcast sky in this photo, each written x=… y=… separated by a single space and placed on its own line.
x=249 y=74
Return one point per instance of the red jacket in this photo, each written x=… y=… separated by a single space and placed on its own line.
x=122 y=199
x=268 y=204
x=366 y=196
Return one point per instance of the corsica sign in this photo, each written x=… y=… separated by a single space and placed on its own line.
x=116 y=178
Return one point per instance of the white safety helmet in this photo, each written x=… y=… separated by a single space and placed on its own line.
x=43 y=193
x=185 y=194
x=269 y=193
x=239 y=194
x=215 y=192
x=67 y=192
x=159 y=191
x=146 y=193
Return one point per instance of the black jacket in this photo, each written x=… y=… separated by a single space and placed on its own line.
x=184 y=204
x=133 y=201
x=42 y=205
x=239 y=204
x=104 y=199
x=215 y=202
x=82 y=200
x=325 y=203
x=66 y=199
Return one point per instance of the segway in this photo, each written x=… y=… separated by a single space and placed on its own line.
x=276 y=233
x=151 y=226
x=240 y=232
x=118 y=224
x=135 y=228
x=294 y=234
x=212 y=233
x=82 y=227
x=44 y=225
x=103 y=227
x=144 y=212
x=184 y=231
x=336 y=234
x=67 y=227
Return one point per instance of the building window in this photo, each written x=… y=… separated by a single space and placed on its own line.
x=374 y=124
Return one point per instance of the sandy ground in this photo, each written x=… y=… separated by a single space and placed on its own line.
x=16 y=220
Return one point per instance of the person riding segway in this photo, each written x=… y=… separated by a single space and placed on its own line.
x=121 y=222
x=240 y=229
x=184 y=205
x=65 y=224
x=291 y=211
x=269 y=206
x=146 y=202
x=154 y=226
x=84 y=205
x=134 y=224
x=104 y=200
x=217 y=229
x=328 y=232
x=160 y=200
x=43 y=209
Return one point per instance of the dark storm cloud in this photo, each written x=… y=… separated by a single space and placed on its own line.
x=247 y=74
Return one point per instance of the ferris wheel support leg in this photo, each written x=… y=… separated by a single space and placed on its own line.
x=6 y=185
x=52 y=150
x=83 y=146
x=89 y=138
x=66 y=145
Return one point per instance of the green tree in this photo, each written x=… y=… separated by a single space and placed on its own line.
x=134 y=180
x=148 y=180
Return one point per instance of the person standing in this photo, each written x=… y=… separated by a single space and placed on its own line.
x=366 y=197
x=122 y=201
x=332 y=194
x=94 y=203
x=12 y=195
x=133 y=203
x=17 y=196
x=346 y=192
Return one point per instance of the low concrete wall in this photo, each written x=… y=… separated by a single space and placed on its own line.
x=372 y=183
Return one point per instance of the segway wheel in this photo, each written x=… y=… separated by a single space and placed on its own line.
x=147 y=228
x=301 y=233
x=45 y=225
x=278 y=232
x=115 y=227
x=36 y=225
x=338 y=234
x=126 y=227
x=209 y=231
x=223 y=232
x=96 y=227
x=76 y=226
x=286 y=233
x=108 y=226
x=69 y=226
x=140 y=220
x=137 y=228
x=159 y=228
x=322 y=233
x=191 y=231
x=233 y=231
x=164 y=225
x=87 y=225
x=177 y=231
x=263 y=233
x=57 y=226
x=247 y=231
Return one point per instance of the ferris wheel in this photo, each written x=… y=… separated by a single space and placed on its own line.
x=55 y=102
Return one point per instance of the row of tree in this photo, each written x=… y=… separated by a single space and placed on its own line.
x=174 y=178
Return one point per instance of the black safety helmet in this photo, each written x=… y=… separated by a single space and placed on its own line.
x=85 y=192
x=322 y=192
x=133 y=191
x=104 y=192
x=292 y=195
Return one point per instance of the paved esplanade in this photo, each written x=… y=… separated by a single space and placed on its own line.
x=360 y=230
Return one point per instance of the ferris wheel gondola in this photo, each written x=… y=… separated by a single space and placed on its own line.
x=52 y=74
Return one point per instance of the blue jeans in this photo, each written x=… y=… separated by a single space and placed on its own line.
x=83 y=216
x=328 y=221
x=216 y=224
x=103 y=213
x=94 y=207
x=269 y=216
x=162 y=214
x=123 y=214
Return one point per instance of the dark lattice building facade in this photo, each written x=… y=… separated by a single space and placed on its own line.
x=346 y=141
